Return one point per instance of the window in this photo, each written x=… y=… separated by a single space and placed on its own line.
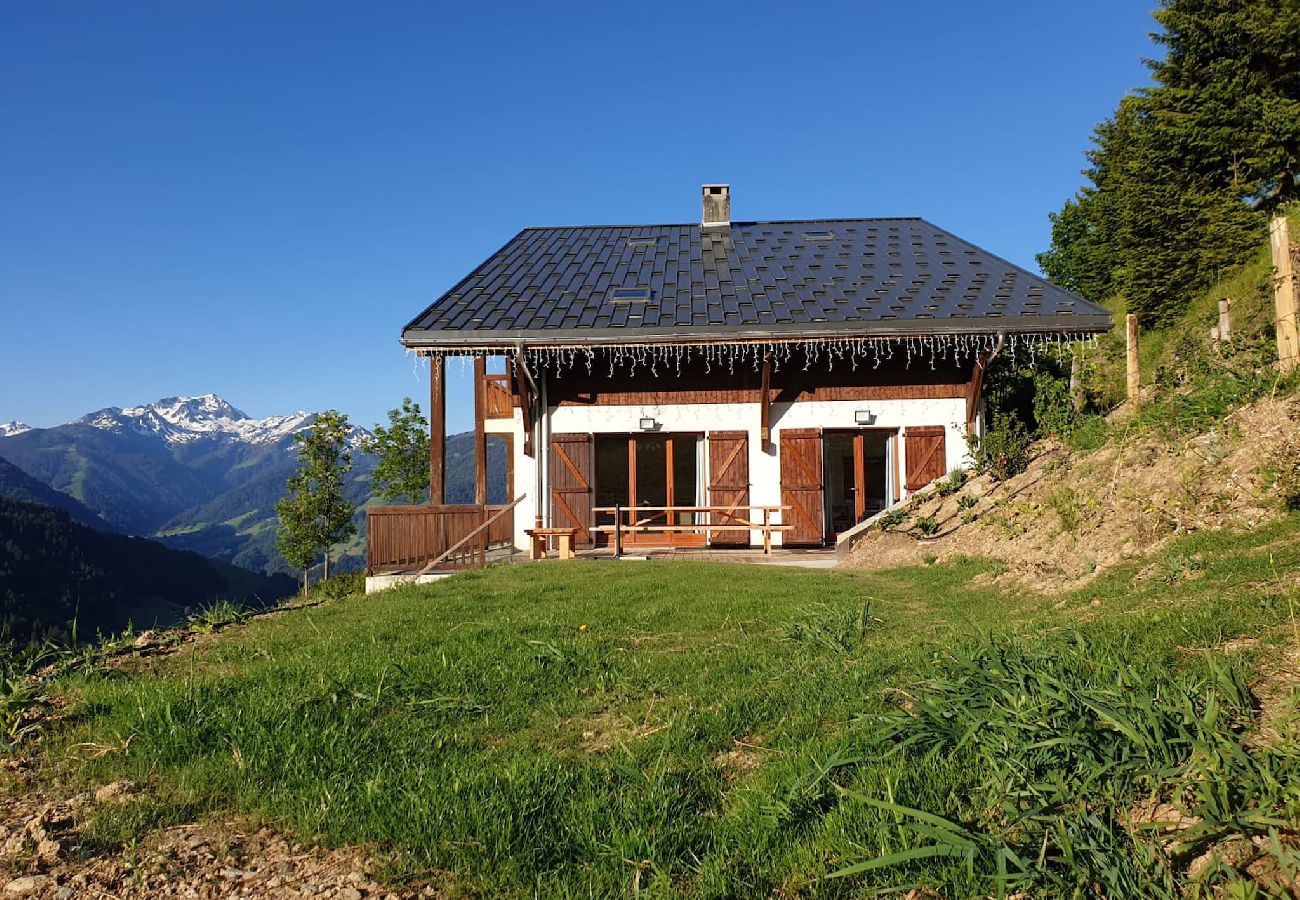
x=629 y=295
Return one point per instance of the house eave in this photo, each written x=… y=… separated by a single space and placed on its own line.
x=505 y=339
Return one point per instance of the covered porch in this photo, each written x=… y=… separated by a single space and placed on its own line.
x=423 y=539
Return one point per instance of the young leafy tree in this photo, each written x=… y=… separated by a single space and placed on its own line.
x=314 y=513
x=292 y=538
x=402 y=472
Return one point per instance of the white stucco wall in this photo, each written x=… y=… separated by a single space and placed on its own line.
x=764 y=462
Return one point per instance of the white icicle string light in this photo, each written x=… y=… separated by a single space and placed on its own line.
x=662 y=359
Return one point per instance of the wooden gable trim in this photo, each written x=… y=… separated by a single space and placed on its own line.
x=755 y=395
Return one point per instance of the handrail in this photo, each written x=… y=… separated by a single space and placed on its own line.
x=456 y=546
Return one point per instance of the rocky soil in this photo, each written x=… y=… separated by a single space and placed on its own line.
x=45 y=852
x=1072 y=516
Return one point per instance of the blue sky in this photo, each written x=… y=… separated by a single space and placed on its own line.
x=252 y=198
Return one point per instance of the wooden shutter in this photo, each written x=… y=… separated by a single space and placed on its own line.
x=729 y=485
x=801 y=486
x=927 y=458
x=571 y=484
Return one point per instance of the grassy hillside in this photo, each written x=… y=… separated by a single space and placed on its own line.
x=710 y=730
x=1179 y=358
x=238 y=527
x=54 y=571
x=15 y=484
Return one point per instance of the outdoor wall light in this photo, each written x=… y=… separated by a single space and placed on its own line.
x=864 y=416
x=648 y=424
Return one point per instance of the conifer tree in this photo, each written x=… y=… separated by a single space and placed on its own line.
x=402 y=472
x=314 y=514
x=1183 y=174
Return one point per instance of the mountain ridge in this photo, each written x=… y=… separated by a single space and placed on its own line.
x=198 y=473
x=59 y=575
x=184 y=419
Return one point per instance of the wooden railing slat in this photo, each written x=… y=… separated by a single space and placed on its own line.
x=411 y=535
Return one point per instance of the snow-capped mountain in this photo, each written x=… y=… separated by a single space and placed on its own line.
x=186 y=420
x=15 y=427
x=197 y=473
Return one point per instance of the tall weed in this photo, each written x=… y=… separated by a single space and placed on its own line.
x=1060 y=741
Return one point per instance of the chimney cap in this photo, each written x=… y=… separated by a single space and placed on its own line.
x=715 y=205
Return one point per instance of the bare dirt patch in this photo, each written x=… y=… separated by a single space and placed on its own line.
x=1070 y=517
x=44 y=854
x=608 y=729
x=746 y=755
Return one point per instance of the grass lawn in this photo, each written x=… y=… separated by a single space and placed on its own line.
x=708 y=730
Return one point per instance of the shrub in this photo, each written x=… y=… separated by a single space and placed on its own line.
x=1053 y=412
x=1003 y=449
x=952 y=484
x=1068 y=507
x=336 y=587
x=927 y=525
x=891 y=519
x=966 y=501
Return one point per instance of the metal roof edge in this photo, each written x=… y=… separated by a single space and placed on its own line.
x=415 y=339
x=468 y=275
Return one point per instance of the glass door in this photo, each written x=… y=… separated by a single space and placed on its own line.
x=643 y=474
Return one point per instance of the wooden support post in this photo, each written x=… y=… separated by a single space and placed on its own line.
x=1284 y=296
x=480 y=435
x=973 y=389
x=1134 y=368
x=1077 y=398
x=437 y=429
x=523 y=387
x=765 y=402
x=1225 y=319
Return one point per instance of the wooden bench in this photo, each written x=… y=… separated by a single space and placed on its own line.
x=730 y=516
x=564 y=538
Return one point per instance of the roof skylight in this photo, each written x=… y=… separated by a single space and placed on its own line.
x=629 y=295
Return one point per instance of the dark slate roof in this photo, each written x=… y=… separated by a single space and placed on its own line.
x=748 y=281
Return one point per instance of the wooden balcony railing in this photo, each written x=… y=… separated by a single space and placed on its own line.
x=407 y=538
x=497 y=402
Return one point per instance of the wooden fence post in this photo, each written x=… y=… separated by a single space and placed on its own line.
x=1284 y=295
x=1134 y=370
x=1077 y=399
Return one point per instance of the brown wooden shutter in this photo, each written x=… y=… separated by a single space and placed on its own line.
x=571 y=484
x=729 y=485
x=927 y=457
x=801 y=486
